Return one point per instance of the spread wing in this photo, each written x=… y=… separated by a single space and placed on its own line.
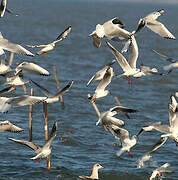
x=120 y=58
x=63 y=35
x=31 y=145
x=8 y=126
x=160 y=29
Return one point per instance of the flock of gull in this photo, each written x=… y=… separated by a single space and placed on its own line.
x=111 y=30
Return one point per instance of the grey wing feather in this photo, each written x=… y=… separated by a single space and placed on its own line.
x=43 y=90
x=65 y=89
x=53 y=134
x=123 y=109
x=160 y=29
x=105 y=81
x=25 y=100
x=31 y=145
x=15 y=48
x=161 y=142
x=63 y=35
x=8 y=126
x=164 y=57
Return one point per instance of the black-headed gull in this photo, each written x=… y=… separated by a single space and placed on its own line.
x=12 y=47
x=169 y=131
x=52 y=45
x=170 y=67
x=147 y=71
x=100 y=90
x=41 y=152
x=129 y=68
x=6 y=103
x=126 y=142
x=107 y=118
x=94 y=174
x=110 y=29
x=151 y=22
x=160 y=170
x=50 y=97
x=148 y=155
x=100 y=74
x=8 y=126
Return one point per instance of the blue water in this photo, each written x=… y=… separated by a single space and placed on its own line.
x=76 y=59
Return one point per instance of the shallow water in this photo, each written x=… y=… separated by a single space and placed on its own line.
x=76 y=59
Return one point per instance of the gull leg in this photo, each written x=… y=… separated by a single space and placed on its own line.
x=130 y=154
x=12 y=85
x=44 y=55
x=37 y=160
x=169 y=71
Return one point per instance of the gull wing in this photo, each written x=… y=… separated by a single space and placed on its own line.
x=33 y=68
x=122 y=134
x=120 y=58
x=173 y=113
x=8 y=126
x=133 y=49
x=53 y=134
x=43 y=90
x=106 y=80
x=6 y=90
x=160 y=29
x=3 y=7
x=31 y=145
x=164 y=57
x=63 y=35
x=38 y=46
x=161 y=142
x=123 y=109
x=65 y=89
x=25 y=100
x=12 y=47
x=100 y=74
x=114 y=121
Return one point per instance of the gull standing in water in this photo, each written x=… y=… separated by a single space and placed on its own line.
x=151 y=22
x=129 y=67
x=8 y=126
x=106 y=118
x=50 y=97
x=123 y=135
x=170 y=67
x=110 y=29
x=160 y=170
x=94 y=174
x=41 y=152
x=100 y=74
x=12 y=47
x=100 y=90
x=52 y=45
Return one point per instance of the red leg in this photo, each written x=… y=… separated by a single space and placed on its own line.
x=44 y=55
x=12 y=85
x=130 y=154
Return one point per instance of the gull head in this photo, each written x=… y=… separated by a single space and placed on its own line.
x=118 y=21
x=160 y=12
